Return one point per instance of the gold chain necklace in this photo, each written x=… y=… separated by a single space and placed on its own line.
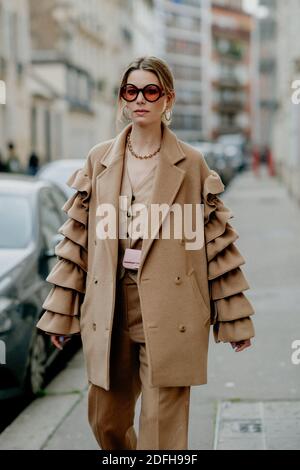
x=141 y=157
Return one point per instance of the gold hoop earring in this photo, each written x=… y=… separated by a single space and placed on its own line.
x=125 y=114
x=169 y=116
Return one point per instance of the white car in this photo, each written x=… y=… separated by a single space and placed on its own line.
x=59 y=172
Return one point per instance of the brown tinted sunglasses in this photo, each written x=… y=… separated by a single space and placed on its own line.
x=151 y=92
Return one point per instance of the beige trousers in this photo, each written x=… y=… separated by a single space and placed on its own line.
x=164 y=417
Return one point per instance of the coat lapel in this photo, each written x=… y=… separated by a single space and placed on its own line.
x=108 y=188
x=167 y=181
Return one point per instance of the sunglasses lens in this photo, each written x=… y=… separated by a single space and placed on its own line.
x=129 y=93
x=152 y=93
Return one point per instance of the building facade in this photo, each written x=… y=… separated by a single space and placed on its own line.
x=73 y=54
x=208 y=47
x=60 y=66
x=185 y=45
x=80 y=50
x=232 y=68
x=267 y=38
x=14 y=67
x=68 y=63
x=285 y=135
x=144 y=28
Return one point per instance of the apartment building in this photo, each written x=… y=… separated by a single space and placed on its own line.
x=14 y=65
x=71 y=61
x=185 y=44
x=80 y=50
x=145 y=28
x=285 y=135
x=267 y=69
x=231 y=66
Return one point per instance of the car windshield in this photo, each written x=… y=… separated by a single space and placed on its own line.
x=15 y=221
x=59 y=174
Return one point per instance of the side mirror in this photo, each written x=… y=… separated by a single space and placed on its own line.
x=50 y=253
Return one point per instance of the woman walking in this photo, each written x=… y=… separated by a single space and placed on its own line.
x=144 y=303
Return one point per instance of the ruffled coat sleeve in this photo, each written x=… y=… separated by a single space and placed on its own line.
x=231 y=310
x=68 y=276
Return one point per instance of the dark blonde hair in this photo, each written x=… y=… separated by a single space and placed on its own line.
x=152 y=64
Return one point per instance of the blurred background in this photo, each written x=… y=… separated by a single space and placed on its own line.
x=236 y=65
x=233 y=61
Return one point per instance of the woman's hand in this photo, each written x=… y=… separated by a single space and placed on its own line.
x=59 y=340
x=241 y=345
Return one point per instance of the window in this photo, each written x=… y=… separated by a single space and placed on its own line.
x=182 y=46
x=186 y=121
x=186 y=72
x=186 y=22
x=50 y=216
x=16 y=221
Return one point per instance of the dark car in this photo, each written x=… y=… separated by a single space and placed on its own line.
x=235 y=150
x=215 y=158
x=30 y=216
x=223 y=165
x=207 y=150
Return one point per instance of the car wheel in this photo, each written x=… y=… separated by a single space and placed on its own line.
x=36 y=370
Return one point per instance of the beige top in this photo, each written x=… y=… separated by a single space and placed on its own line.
x=139 y=194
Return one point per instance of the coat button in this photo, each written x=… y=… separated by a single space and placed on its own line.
x=177 y=280
x=182 y=328
x=96 y=281
x=94 y=326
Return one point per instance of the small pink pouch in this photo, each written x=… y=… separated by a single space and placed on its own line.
x=132 y=258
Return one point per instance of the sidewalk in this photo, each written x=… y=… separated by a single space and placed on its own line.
x=252 y=399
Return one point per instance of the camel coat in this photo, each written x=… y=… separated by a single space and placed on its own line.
x=182 y=291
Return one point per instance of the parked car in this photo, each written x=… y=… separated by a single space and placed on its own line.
x=207 y=150
x=30 y=214
x=59 y=171
x=222 y=165
x=215 y=158
x=235 y=150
